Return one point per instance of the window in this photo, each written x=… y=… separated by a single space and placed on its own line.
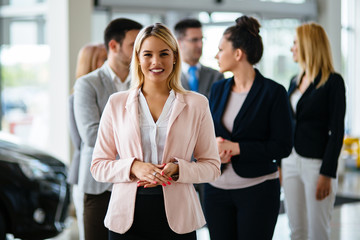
x=24 y=74
x=350 y=52
x=277 y=34
x=277 y=63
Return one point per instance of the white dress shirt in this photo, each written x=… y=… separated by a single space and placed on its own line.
x=120 y=85
x=153 y=134
x=185 y=69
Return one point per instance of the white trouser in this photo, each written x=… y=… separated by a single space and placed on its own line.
x=78 y=199
x=309 y=219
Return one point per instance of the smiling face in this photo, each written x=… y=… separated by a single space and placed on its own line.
x=156 y=60
x=226 y=55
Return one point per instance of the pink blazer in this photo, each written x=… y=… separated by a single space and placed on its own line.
x=190 y=129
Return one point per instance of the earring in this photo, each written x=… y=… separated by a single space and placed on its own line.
x=174 y=63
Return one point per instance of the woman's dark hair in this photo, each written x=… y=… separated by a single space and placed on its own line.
x=245 y=35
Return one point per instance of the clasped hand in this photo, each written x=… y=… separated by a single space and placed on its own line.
x=227 y=149
x=152 y=175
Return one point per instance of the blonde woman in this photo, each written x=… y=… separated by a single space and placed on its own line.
x=90 y=57
x=154 y=129
x=317 y=97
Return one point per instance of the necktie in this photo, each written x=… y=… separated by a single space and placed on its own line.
x=193 y=81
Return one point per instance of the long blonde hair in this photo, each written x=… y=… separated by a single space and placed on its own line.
x=314 y=52
x=89 y=59
x=162 y=32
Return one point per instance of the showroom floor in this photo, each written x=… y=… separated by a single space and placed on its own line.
x=345 y=221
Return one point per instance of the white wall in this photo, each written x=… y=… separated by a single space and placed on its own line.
x=329 y=16
x=69 y=29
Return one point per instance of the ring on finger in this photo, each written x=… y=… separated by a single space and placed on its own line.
x=154 y=174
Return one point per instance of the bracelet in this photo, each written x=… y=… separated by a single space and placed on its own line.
x=175 y=177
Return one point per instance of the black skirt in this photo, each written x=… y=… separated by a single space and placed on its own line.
x=150 y=222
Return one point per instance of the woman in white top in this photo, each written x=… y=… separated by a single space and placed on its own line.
x=317 y=97
x=154 y=129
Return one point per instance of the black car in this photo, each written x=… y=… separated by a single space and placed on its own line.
x=34 y=195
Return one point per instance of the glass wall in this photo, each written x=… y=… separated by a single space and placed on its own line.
x=24 y=74
x=277 y=34
x=24 y=92
x=24 y=56
x=19 y=2
x=348 y=50
x=278 y=37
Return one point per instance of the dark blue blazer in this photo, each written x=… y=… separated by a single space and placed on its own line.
x=319 y=122
x=262 y=127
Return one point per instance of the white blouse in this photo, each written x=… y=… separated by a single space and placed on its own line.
x=294 y=99
x=153 y=134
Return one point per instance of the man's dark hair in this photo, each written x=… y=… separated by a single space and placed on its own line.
x=181 y=27
x=117 y=29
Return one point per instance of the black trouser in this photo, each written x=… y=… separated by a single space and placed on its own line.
x=150 y=221
x=248 y=213
x=95 y=207
x=200 y=190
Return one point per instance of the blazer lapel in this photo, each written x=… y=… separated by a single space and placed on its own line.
x=308 y=91
x=202 y=80
x=293 y=85
x=132 y=106
x=106 y=80
x=292 y=88
x=254 y=90
x=184 y=81
x=221 y=108
x=179 y=105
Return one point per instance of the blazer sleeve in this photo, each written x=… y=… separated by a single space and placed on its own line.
x=74 y=132
x=219 y=76
x=87 y=111
x=216 y=76
x=279 y=142
x=336 y=108
x=206 y=168
x=105 y=167
x=73 y=174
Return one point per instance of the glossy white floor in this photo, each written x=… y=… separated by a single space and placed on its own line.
x=345 y=221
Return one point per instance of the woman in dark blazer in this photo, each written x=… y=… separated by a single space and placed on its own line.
x=317 y=97
x=253 y=127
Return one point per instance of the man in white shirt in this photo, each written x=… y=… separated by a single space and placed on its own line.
x=91 y=93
